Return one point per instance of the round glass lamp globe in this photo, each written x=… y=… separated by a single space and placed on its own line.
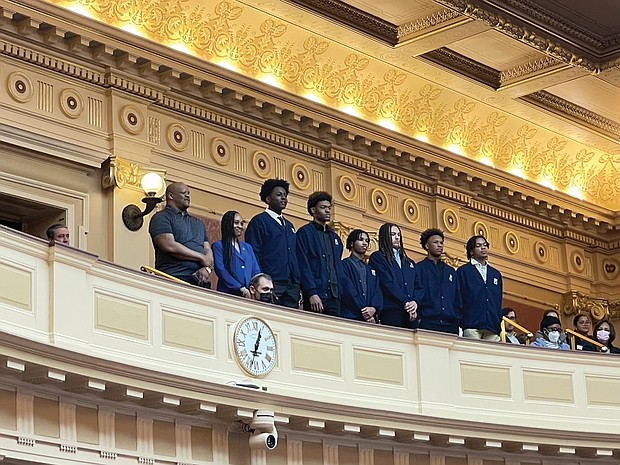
x=152 y=184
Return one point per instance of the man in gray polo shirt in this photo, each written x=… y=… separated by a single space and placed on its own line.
x=180 y=240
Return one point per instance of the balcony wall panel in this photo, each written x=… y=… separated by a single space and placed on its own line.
x=321 y=360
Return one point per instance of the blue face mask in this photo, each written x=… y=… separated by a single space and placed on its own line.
x=554 y=336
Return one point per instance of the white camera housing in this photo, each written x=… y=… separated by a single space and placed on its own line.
x=263 y=433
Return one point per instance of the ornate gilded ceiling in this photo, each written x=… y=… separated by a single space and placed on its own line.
x=414 y=87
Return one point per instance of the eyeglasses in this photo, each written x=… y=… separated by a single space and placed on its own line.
x=554 y=330
x=484 y=244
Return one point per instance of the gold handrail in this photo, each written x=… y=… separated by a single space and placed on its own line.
x=528 y=334
x=155 y=271
x=602 y=347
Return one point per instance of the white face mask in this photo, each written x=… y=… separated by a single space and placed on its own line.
x=602 y=335
x=554 y=336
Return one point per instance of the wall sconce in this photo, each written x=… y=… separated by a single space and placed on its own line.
x=152 y=184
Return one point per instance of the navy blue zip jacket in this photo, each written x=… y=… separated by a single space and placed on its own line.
x=312 y=261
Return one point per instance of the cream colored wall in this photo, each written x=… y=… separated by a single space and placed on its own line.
x=68 y=299
x=100 y=362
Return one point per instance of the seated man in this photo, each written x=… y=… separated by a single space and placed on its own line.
x=181 y=244
x=551 y=329
x=361 y=296
x=57 y=233
x=511 y=335
x=551 y=312
x=261 y=288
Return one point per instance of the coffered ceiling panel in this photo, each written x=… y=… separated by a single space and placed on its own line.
x=496 y=50
x=592 y=93
x=397 y=12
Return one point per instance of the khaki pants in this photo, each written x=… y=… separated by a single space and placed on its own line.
x=481 y=334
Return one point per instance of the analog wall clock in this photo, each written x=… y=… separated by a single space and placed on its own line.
x=254 y=346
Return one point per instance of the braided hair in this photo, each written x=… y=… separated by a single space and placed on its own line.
x=385 y=244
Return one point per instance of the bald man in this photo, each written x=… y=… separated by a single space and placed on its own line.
x=180 y=240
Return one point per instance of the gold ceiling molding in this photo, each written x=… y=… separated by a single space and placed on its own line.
x=434 y=19
x=513 y=19
x=251 y=42
x=526 y=69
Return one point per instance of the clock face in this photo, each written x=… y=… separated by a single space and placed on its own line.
x=254 y=346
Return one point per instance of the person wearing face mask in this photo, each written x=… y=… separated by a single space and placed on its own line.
x=235 y=262
x=550 y=329
x=605 y=333
x=554 y=313
x=261 y=288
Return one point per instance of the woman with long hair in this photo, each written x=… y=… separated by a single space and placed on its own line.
x=605 y=333
x=235 y=262
x=398 y=279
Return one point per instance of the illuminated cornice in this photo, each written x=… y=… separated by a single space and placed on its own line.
x=250 y=42
x=265 y=48
x=437 y=116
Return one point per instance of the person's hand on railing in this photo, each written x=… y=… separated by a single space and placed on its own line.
x=602 y=347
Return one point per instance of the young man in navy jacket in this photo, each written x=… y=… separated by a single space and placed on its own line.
x=398 y=278
x=441 y=307
x=361 y=296
x=274 y=242
x=481 y=292
x=319 y=253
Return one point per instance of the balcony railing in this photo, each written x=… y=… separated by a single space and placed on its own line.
x=69 y=300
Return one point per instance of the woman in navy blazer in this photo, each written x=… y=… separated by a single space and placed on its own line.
x=235 y=262
x=398 y=278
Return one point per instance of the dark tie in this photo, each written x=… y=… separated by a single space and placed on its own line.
x=281 y=220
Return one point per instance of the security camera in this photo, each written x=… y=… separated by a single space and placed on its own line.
x=263 y=431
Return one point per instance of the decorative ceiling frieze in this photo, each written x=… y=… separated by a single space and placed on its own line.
x=259 y=46
x=527 y=69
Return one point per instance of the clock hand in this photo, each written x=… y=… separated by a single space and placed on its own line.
x=255 y=351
